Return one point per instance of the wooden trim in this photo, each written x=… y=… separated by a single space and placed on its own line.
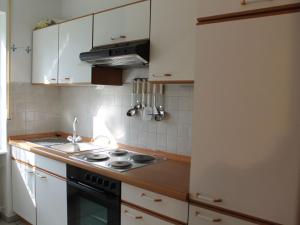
x=256 y=13
x=121 y=6
x=76 y=18
x=40 y=169
x=171 y=81
x=231 y=213
x=154 y=214
x=159 y=153
x=33 y=136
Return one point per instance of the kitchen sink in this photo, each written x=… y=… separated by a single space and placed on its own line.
x=63 y=145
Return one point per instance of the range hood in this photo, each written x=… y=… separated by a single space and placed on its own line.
x=123 y=55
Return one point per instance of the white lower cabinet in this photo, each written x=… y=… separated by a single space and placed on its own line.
x=200 y=216
x=130 y=216
x=23 y=187
x=51 y=200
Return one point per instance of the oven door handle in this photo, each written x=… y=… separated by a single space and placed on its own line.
x=88 y=189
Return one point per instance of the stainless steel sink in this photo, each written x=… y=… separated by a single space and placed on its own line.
x=63 y=145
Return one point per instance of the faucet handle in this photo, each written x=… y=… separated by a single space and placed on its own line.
x=70 y=138
x=78 y=139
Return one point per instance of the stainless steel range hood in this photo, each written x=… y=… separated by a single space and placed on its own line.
x=123 y=55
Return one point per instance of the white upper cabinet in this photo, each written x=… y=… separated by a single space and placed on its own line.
x=75 y=36
x=246 y=132
x=173 y=40
x=219 y=7
x=123 y=24
x=45 y=56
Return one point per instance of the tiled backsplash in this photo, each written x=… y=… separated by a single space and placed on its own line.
x=34 y=109
x=102 y=111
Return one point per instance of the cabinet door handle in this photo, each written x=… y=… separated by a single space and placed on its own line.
x=143 y=195
x=40 y=176
x=162 y=75
x=30 y=172
x=132 y=216
x=53 y=79
x=67 y=78
x=207 y=218
x=118 y=38
x=208 y=198
x=246 y=2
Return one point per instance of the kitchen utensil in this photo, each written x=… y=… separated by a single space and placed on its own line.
x=133 y=110
x=147 y=112
x=138 y=95
x=161 y=112
x=143 y=93
x=154 y=109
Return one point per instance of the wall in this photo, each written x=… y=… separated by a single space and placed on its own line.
x=30 y=113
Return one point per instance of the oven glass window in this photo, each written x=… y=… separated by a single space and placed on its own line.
x=87 y=212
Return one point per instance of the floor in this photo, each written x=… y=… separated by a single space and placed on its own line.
x=14 y=223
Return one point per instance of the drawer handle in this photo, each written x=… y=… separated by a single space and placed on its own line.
x=246 y=2
x=30 y=172
x=40 y=176
x=214 y=220
x=162 y=75
x=53 y=79
x=67 y=78
x=118 y=38
x=132 y=216
x=208 y=199
x=143 y=195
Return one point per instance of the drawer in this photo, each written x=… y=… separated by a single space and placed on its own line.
x=158 y=203
x=23 y=155
x=217 y=7
x=200 y=216
x=130 y=216
x=51 y=165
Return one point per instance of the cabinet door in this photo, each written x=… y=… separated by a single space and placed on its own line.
x=173 y=40
x=45 y=55
x=217 y=7
x=51 y=200
x=123 y=24
x=23 y=191
x=75 y=37
x=246 y=130
x=130 y=216
x=200 y=216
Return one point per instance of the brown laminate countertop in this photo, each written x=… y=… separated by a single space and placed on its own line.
x=170 y=177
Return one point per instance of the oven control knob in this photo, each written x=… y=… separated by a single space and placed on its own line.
x=87 y=177
x=113 y=186
x=100 y=181
x=94 y=179
x=106 y=183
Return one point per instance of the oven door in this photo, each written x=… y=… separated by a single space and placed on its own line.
x=89 y=206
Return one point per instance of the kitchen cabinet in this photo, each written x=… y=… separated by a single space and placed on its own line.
x=154 y=202
x=23 y=188
x=200 y=216
x=123 y=24
x=245 y=155
x=45 y=56
x=217 y=7
x=51 y=199
x=173 y=41
x=75 y=36
x=130 y=216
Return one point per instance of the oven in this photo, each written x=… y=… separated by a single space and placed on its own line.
x=92 y=199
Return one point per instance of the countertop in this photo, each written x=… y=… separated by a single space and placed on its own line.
x=170 y=177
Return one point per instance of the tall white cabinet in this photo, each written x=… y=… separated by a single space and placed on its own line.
x=45 y=56
x=246 y=139
x=75 y=36
x=173 y=32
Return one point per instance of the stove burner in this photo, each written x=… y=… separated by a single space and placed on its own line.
x=120 y=164
x=97 y=157
x=142 y=158
x=118 y=152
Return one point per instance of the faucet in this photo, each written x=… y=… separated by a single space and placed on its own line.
x=74 y=139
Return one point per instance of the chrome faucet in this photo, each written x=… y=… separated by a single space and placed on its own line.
x=74 y=139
